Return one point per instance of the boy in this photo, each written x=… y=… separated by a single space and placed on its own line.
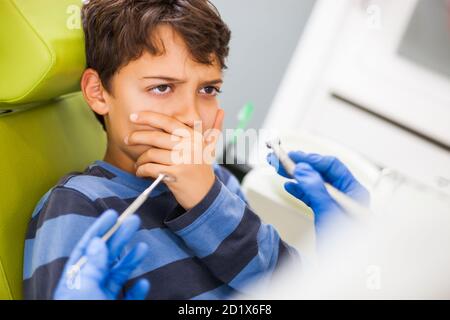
x=154 y=72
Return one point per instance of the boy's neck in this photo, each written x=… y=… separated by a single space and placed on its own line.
x=119 y=159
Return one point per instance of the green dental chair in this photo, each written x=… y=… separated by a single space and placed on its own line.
x=46 y=128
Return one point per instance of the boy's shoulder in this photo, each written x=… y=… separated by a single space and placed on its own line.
x=76 y=188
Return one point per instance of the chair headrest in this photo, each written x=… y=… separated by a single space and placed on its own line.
x=42 y=50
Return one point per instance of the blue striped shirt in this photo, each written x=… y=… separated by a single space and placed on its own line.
x=209 y=252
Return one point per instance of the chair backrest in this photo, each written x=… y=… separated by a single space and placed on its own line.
x=46 y=129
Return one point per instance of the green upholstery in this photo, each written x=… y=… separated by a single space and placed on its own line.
x=46 y=128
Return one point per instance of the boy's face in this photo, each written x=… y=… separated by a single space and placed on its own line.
x=172 y=84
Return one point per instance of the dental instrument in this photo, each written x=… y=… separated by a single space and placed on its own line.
x=132 y=208
x=349 y=205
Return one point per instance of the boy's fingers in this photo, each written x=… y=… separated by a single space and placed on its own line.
x=218 y=124
x=212 y=135
x=155 y=155
x=152 y=170
x=161 y=121
x=157 y=139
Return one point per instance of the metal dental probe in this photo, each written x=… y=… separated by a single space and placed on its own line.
x=132 y=208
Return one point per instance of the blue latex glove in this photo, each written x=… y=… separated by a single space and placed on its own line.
x=311 y=173
x=104 y=275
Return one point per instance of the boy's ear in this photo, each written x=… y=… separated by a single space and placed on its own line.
x=93 y=92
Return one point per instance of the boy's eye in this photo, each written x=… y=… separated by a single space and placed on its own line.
x=210 y=91
x=162 y=89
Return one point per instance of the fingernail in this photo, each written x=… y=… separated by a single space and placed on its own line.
x=133 y=117
x=126 y=140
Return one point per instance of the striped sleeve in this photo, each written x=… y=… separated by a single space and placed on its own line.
x=52 y=234
x=230 y=239
x=230 y=181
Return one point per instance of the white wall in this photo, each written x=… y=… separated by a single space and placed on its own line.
x=265 y=34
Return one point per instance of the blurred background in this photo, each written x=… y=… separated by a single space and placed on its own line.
x=264 y=36
x=365 y=80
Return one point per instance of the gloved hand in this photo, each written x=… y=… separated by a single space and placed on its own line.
x=311 y=173
x=103 y=277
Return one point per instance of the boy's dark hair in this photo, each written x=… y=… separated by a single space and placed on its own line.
x=119 y=31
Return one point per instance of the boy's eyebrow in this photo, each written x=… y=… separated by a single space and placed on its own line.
x=212 y=82
x=170 y=79
x=164 y=78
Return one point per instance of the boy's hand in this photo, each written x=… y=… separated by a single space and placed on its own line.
x=181 y=152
